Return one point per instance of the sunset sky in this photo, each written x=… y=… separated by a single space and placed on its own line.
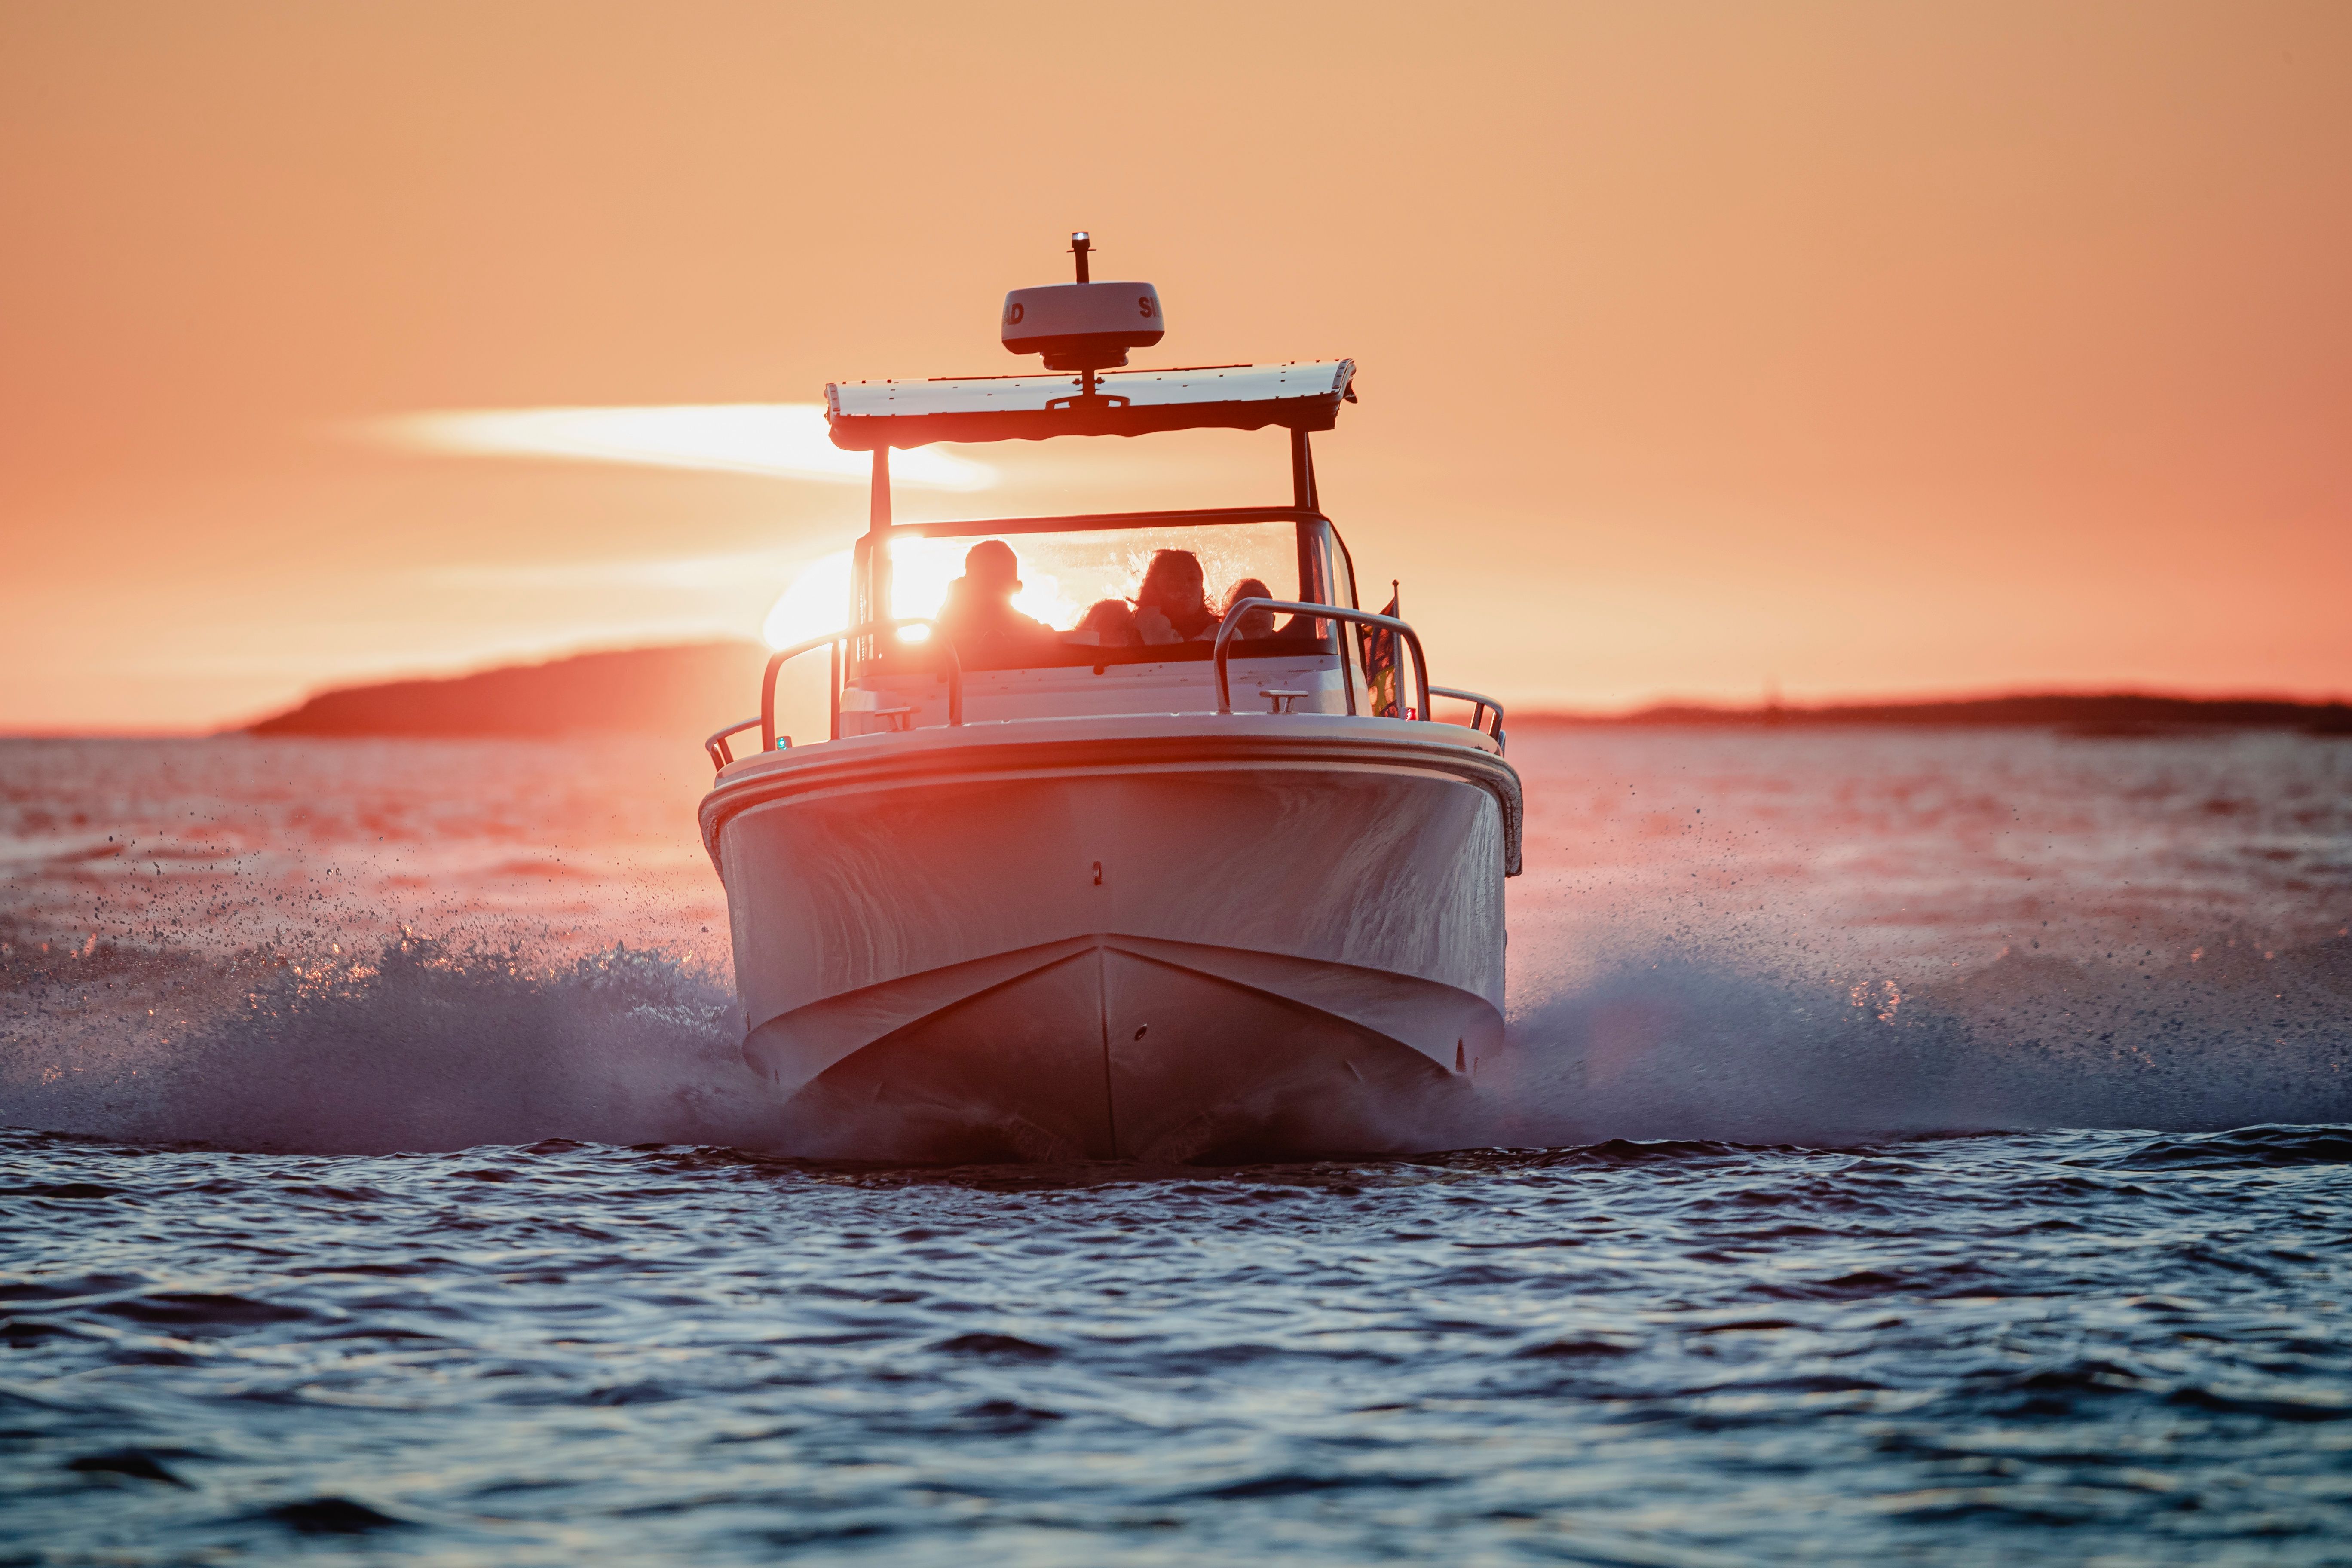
x=1858 y=348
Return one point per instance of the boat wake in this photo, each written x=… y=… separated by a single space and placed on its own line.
x=418 y=1044
x=1675 y=1046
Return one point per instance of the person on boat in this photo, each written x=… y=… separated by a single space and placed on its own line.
x=1112 y=622
x=1257 y=623
x=1172 y=604
x=978 y=617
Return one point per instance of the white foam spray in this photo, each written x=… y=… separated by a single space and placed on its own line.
x=418 y=1044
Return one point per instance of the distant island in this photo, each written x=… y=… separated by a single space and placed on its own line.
x=691 y=690
x=2110 y=714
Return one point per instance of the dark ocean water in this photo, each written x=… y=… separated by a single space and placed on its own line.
x=1918 y=1148
x=2057 y=1347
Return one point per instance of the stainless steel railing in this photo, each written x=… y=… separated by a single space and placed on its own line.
x=938 y=642
x=1326 y=612
x=1479 y=706
x=716 y=748
x=721 y=752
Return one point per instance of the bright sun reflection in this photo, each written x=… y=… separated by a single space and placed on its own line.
x=817 y=601
x=921 y=569
x=788 y=440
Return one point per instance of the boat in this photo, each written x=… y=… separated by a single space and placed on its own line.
x=1109 y=870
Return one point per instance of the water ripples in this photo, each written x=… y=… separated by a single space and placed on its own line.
x=2015 y=1348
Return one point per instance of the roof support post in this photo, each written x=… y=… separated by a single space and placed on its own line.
x=877 y=555
x=1302 y=474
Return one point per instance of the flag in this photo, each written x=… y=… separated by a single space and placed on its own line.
x=1380 y=663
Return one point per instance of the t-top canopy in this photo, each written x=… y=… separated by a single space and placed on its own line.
x=867 y=414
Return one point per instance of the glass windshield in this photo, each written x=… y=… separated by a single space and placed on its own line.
x=1062 y=576
x=1019 y=600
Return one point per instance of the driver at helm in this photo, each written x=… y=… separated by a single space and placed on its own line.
x=978 y=617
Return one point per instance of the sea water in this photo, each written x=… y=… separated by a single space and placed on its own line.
x=1918 y=1147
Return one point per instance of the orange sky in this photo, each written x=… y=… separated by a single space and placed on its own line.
x=1857 y=348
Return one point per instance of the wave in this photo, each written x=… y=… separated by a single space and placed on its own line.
x=2241 y=1148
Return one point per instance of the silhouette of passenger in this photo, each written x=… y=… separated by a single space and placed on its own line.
x=1258 y=623
x=1112 y=621
x=1172 y=604
x=978 y=617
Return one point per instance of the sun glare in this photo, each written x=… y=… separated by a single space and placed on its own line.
x=921 y=569
x=817 y=600
x=786 y=440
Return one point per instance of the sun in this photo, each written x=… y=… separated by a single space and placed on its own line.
x=816 y=602
x=817 y=599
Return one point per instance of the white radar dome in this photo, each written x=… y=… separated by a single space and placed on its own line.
x=1082 y=326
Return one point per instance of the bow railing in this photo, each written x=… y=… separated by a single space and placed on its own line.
x=1226 y=627
x=937 y=641
x=1480 y=705
x=721 y=754
x=717 y=748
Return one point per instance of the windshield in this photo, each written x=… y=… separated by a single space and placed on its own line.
x=1063 y=575
x=1018 y=598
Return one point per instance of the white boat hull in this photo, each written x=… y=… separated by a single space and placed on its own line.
x=1157 y=937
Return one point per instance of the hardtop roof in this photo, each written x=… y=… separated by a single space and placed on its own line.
x=1108 y=521
x=865 y=415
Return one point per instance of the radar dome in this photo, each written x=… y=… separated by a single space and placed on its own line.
x=1083 y=325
